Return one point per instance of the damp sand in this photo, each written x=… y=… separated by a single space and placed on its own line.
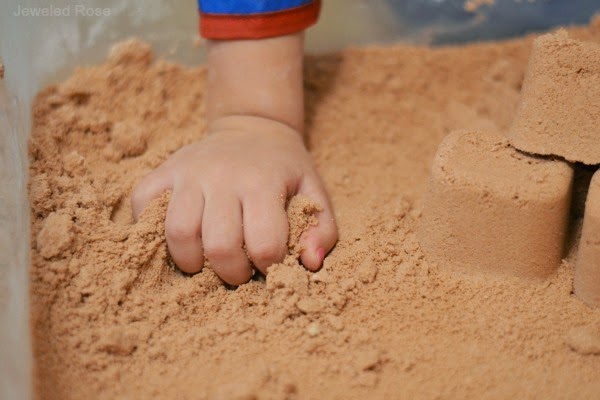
x=111 y=317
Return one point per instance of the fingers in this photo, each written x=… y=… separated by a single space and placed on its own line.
x=214 y=226
x=223 y=238
x=318 y=240
x=183 y=226
x=265 y=229
x=152 y=186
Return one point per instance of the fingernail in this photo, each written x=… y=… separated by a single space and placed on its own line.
x=320 y=255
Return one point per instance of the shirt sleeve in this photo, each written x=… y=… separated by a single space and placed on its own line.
x=255 y=19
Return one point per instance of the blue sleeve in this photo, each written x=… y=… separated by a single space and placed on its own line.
x=248 y=7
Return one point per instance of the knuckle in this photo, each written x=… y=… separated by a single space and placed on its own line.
x=259 y=181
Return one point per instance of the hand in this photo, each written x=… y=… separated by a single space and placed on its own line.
x=229 y=190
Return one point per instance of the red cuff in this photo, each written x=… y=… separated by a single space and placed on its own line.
x=229 y=27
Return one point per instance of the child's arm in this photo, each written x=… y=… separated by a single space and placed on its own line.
x=229 y=190
x=261 y=78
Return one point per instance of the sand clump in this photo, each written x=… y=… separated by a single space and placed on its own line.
x=587 y=268
x=558 y=113
x=585 y=339
x=127 y=140
x=56 y=235
x=112 y=318
x=491 y=208
x=489 y=204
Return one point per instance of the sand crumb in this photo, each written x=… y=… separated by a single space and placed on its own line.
x=112 y=318
x=301 y=215
x=131 y=51
x=127 y=140
x=584 y=339
x=56 y=235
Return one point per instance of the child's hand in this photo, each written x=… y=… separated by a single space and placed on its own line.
x=229 y=191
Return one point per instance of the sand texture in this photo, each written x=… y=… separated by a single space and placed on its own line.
x=111 y=317
x=490 y=208
x=559 y=112
x=587 y=268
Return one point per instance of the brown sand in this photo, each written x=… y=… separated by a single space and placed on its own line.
x=587 y=268
x=490 y=208
x=558 y=112
x=111 y=318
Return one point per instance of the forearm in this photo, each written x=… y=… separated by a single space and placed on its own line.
x=260 y=78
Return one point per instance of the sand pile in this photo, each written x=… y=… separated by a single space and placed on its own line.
x=587 y=270
x=113 y=319
x=490 y=208
x=559 y=112
x=495 y=205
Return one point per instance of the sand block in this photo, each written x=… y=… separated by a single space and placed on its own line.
x=494 y=209
x=559 y=110
x=587 y=267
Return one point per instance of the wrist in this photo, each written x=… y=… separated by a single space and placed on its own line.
x=260 y=78
x=254 y=124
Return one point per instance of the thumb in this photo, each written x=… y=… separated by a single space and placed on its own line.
x=318 y=240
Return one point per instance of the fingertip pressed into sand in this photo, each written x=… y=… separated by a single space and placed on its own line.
x=491 y=208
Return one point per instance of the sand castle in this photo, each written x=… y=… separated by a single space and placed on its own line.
x=501 y=204
x=481 y=192
x=559 y=112
x=587 y=268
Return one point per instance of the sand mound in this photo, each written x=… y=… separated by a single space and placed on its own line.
x=112 y=319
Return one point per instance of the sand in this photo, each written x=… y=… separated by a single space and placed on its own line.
x=586 y=285
x=112 y=318
x=492 y=209
x=558 y=112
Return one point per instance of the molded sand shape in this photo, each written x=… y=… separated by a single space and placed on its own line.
x=587 y=268
x=559 y=110
x=492 y=208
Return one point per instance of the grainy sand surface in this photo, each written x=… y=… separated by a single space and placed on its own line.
x=112 y=319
